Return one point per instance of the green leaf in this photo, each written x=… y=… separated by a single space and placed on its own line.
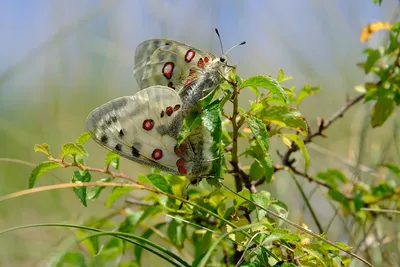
x=393 y=168
x=160 y=182
x=265 y=160
x=40 y=169
x=358 y=201
x=177 y=232
x=259 y=130
x=267 y=83
x=339 y=197
x=81 y=177
x=95 y=191
x=299 y=142
x=373 y=57
x=381 y=111
x=306 y=91
x=201 y=241
x=285 y=116
x=72 y=149
x=331 y=176
x=188 y=129
x=280 y=207
x=112 y=159
x=211 y=120
x=116 y=193
x=83 y=138
x=382 y=190
x=43 y=148
x=256 y=170
x=73 y=258
x=262 y=198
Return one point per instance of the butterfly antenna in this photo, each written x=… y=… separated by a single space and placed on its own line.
x=242 y=43
x=220 y=40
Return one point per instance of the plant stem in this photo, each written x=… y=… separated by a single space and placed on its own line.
x=235 y=131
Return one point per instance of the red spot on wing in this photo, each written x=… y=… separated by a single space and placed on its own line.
x=157 y=154
x=168 y=69
x=148 y=124
x=189 y=55
x=188 y=82
x=182 y=170
x=169 y=110
x=180 y=163
x=206 y=59
x=171 y=85
x=177 y=107
x=200 y=63
x=181 y=149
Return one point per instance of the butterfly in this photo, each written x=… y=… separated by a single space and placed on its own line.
x=192 y=72
x=173 y=78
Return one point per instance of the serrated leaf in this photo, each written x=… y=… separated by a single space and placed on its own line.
x=83 y=138
x=40 y=169
x=267 y=83
x=285 y=116
x=81 y=177
x=112 y=159
x=381 y=111
x=94 y=192
x=299 y=142
x=211 y=120
x=44 y=148
x=258 y=128
x=116 y=193
x=72 y=149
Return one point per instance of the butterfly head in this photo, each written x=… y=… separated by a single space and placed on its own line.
x=223 y=59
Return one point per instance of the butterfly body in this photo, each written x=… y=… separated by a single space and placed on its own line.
x=142 y=128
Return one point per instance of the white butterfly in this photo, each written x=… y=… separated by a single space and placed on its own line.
x=144 y=127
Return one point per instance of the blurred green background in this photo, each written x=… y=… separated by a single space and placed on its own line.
x=61 y=59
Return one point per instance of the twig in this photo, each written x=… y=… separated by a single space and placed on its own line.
x=323 y=125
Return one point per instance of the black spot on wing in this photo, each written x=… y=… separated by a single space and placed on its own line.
x=121 y=133
x=135 y=152
x=104 y=139
x=118 y=147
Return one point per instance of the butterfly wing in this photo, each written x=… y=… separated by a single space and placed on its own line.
x=169 y=63
x=139 y=127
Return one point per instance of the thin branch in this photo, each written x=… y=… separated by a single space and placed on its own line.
x=322 y=125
